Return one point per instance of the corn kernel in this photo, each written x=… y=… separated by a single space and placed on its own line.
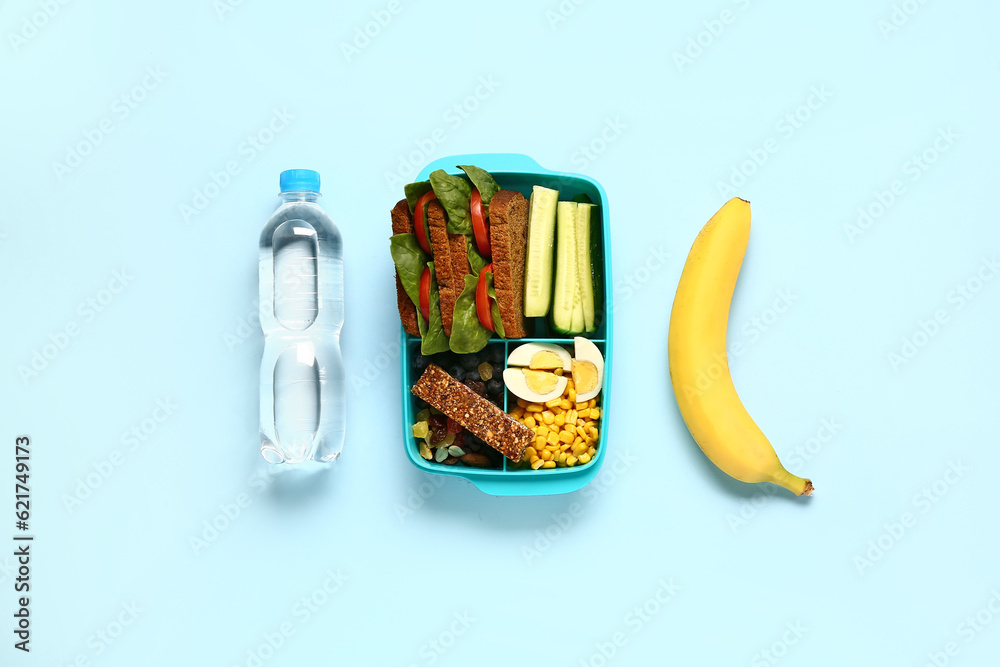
x=558 y=372
x=570 y=394
x=551 y=404
x=583 y=414
x=579 y=448
x=548 y=417
x=572 y=417
x=564 y=447
x=532 y=459
x=540 y=442
x=529 y=422
x=584 y=458
x=582 y=432
x=537 y=463
x=529 y=452
x=560 y=420
x=592 y=403
x=591 y=451
x=549 y=464
x=561 y=457
x=533 y=407
x=546 y=455
x=595 y=413
x=542 y=430
x=521 y=403
x=552 y=439
x=594 y=433
x=571 y=460
x=557 y=410
x=517 y=412
x=566 y=437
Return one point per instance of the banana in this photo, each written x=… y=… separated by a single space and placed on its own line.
x=699 y=369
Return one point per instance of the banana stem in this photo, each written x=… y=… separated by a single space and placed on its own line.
x=797 y=485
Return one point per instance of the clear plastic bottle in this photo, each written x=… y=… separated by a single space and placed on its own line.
x=302 y=393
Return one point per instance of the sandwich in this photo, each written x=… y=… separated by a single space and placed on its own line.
x=459 y=247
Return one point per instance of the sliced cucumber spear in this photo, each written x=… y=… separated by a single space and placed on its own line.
x=573 y=295
x=538 y=260
x=584 y=263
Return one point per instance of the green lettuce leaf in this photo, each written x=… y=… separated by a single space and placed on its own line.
x=476 y=261
x=415 y=191
x=410 y=261
x=483 y=182
x=467 y=334
x=432 y=335
x=494 y=306
x=453 y=192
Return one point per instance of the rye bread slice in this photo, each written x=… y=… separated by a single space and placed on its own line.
x=402 y=223
x=508 y=237
x=451 y=262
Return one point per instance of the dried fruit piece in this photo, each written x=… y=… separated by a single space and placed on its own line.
x=440 y=454
x=425 y=451
x=477 y=460
x=455 y=451
x=454 y=426
x=486 y=371
x=420 y=430
x=438 y=434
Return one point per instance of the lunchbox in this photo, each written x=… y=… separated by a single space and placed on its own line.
x=520 y=173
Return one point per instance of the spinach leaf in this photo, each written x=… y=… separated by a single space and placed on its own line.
x=410 y=262
x=476 y=261
x=415 y=191
x=467 y=334
x=494 y=306
x=453 y=192
x=434 y=340
x=484 y=183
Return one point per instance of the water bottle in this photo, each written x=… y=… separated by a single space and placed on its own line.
x=302 y=398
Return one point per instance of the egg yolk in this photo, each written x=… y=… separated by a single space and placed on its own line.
x=584 y=376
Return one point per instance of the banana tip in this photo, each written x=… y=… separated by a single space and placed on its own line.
x=808 y=491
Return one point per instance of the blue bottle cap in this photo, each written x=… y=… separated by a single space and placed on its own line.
x=299 y=179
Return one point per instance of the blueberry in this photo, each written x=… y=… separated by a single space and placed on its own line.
x=469 y=362
x=457 y=372
x=498 y=370
x=496 y=353
x=494 y=387
x=420 y=362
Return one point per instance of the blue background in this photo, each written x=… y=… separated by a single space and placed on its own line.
x=884 y=565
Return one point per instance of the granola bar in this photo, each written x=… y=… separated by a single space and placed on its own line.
x=478 y=415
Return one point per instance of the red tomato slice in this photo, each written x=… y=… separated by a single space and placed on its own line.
x=483 y=299
x=418 y=220
x=425 y=294
x=480 y=227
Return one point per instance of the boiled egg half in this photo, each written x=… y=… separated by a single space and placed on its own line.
x=588 y=369
x=531 y=373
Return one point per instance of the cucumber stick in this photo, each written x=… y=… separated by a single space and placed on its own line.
x=538 y=259
x=573 y=293
x=584 y=264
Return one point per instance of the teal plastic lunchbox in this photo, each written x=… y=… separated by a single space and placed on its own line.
x=520 y=173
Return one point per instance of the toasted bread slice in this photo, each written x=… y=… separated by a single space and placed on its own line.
x=402 y=223
x=508 y=237
x=451 y=262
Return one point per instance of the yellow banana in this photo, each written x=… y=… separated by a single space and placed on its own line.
x=699 y=369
